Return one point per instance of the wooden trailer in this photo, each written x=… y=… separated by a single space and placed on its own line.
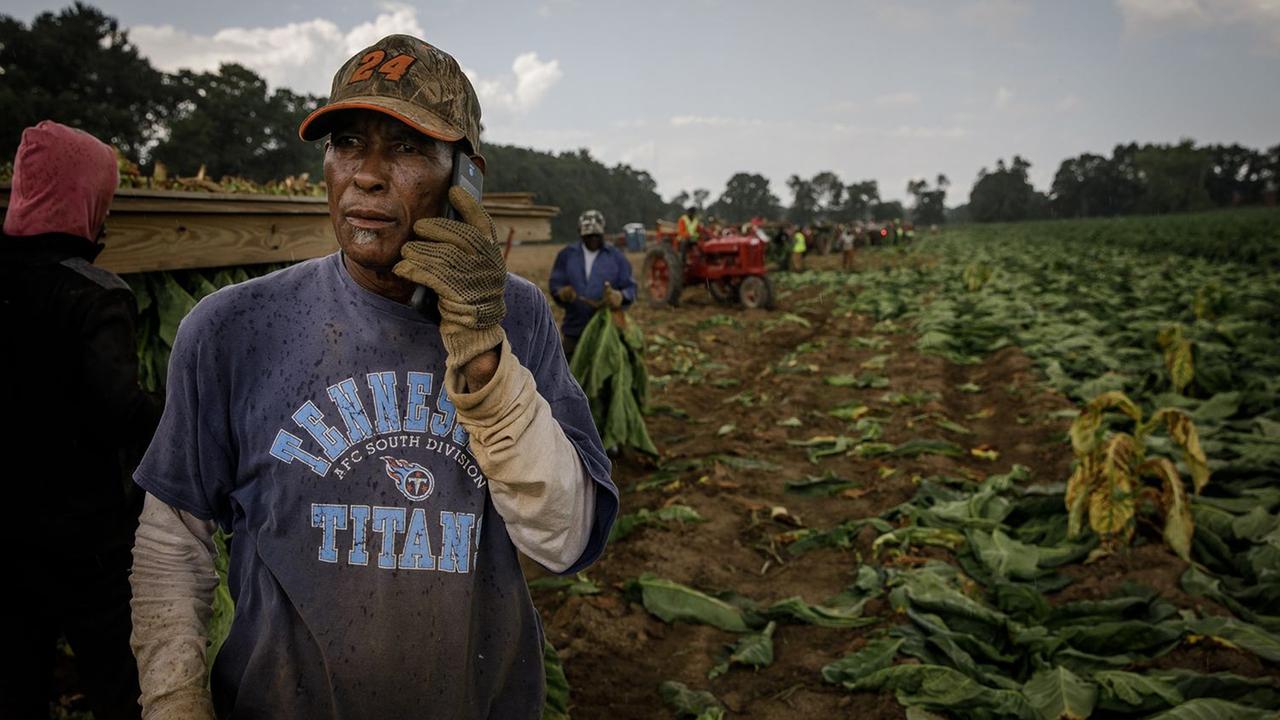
x=152 y=230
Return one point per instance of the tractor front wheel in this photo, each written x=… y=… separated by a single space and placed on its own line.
x=755 y=292
x=663 y=276
x=722 y=290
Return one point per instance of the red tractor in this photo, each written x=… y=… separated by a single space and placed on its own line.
x=732 y=266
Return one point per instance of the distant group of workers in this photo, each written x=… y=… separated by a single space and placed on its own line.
x=791 y=243
x=794 y=242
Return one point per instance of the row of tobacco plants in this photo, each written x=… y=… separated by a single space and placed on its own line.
x=1168 y=346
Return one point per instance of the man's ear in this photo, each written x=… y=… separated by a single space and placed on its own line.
x=478 y=159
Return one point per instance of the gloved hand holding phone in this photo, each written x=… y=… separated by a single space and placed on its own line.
x=462 y=262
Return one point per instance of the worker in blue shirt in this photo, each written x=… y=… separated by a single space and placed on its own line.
x=588 y=274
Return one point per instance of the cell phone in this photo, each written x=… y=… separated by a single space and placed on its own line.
x=468 y=176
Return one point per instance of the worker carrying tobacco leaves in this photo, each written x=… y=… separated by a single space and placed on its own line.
x=379 y=463
x=588 y=274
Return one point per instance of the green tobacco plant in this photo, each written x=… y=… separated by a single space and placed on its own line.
x=1112 y=469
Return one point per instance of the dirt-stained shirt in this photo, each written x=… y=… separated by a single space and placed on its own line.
x=372 y=575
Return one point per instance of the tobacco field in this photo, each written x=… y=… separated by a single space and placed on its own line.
x=860 y=505
x=1024 y=471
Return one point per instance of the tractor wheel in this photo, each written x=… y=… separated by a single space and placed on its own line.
x=724 y=291
x=755 y=292
x=663 y=276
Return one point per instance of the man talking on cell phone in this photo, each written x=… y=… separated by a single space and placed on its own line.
x=379 y=469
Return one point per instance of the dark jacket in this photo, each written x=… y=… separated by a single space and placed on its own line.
x=70 y=389
x=570 y=268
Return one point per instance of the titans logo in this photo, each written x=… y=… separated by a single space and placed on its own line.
x=415 y=481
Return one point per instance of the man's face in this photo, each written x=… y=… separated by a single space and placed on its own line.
x=593 y=242
x=382 y=176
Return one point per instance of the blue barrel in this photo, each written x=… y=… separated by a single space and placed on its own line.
x=635 y=236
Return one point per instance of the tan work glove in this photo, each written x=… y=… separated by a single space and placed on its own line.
x=462 y=262
x=567 y=294
x=612 y=297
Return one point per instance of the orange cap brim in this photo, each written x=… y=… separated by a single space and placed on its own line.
x=416 y=117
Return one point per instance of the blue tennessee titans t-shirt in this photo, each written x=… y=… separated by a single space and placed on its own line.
x=373 y=576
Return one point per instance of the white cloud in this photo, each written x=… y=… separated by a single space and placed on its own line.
x=395 y=19
x=300 y=55
x=1141 y=13
x=845 y=106
x=911 y=132
x=532 y=79
x=1004 y=96
x=1067 y=103
x=304 y=55
x=712 y=121
x=899 y=99
x=641 y=156
x=1261 y=17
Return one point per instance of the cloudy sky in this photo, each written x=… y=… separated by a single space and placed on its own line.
x=694 y=91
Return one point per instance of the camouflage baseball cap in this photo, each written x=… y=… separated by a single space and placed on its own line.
x=591 y=222
x=416 y=83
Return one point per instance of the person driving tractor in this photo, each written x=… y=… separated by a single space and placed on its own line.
x=687 y=228
x=586 y=270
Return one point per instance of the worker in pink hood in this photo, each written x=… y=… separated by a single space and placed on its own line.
x=71 y=366
x=63 y=182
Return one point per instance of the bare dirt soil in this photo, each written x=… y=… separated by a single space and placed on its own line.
x=771 y=369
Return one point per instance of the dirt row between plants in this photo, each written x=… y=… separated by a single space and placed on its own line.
x=754 y=383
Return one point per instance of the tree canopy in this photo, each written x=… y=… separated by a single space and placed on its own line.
x=1156 y=178
x=574 y=181
x=230 y=123
x=1005 y=193
x=930 y=205
x=78 y=67
x=745 y=196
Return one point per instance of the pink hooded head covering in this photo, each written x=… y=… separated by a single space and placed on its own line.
x=63 y=182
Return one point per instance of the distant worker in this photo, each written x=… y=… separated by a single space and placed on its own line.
x=687 y=228
x=846 y=240
x=799 y=245
x=73 y=372
x=898 y=232
x=587 y=274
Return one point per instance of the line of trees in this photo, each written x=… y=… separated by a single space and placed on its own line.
x=1136 y=179
x=574 y=181
x=821 y=199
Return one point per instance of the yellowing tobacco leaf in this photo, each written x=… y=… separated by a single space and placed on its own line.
x=1183 y=432
x=1180 y=364
x=1178 y=525
x=1111 y=505
x=1079 y=487
x=985 y=452
x=1118 y=401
